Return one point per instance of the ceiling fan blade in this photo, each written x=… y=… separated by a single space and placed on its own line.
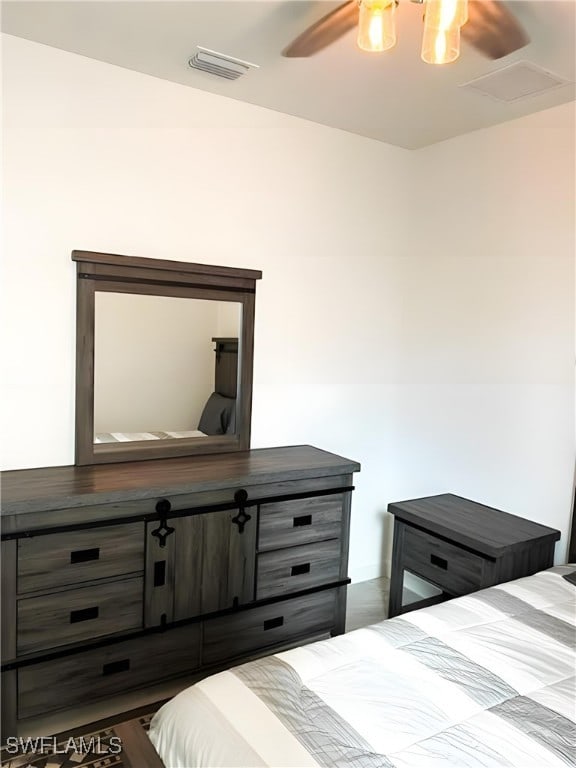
x=325 y=31
x=492 y=29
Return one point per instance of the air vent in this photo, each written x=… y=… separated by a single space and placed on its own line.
x=219 y=64
x=516 y=81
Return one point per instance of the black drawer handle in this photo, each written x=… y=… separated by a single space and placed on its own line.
x=113 y=667
x=302 y=520
x=160 y=573
x=439 y=561
x=84 y=555
x=297 y=570
x=84 y=614
x=273 y=623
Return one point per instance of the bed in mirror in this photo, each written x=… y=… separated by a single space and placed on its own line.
x=164 y=358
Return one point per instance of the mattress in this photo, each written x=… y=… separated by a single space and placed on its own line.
x=482 y=681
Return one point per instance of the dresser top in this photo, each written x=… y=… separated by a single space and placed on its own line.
x=50 y=488
x=476 y=526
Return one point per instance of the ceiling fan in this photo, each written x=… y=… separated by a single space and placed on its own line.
x=487 y=25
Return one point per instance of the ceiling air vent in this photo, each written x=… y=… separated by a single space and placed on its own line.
x=516 y=81
x=219 y=64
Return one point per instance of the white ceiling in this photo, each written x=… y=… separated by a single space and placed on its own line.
x=392 y=97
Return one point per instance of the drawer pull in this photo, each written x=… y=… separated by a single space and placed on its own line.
x=273 y=623
x=302 y=520
x=297 y=570
x=439 y=562
x=113 y=667
x=160 y=573
x=84 y=614
x=84 y=555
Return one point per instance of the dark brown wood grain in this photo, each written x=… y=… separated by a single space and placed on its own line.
x=301 y=521
x=397 y=571
x=8 y=687
x=244 y=405
x=483 y=529
x=73 y=557
x=461 y=546
x=8 y=565
x=237 y=634
x=207 y=565
x=8 y=711
x=280 y=571
x=85 y=321
x=94 y=257
x=135 y=275
x=341 y=595
x=159 y=599
x=189 y=557
x=100 y=513
x=45 y=621
x=228 y=560
x=29 y=490
x=131 y=275
x=100 y=673
x=572 y=542
x=456 y=570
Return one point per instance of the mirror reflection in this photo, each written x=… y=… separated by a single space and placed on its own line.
x=164 y=367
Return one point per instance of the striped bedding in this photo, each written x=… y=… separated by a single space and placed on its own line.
x=128 y=437
x=482 y=681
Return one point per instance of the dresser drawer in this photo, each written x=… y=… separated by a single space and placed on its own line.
x=79 y=614
x=240 y=633
x=297 y=568
x=84 y=677
x=69 y=558
x=451 y=568
x=288 y=523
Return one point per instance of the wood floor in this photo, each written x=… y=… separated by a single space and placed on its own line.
x=367 y=603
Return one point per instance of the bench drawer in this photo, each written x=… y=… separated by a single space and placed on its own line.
x=48 y=621
x=297 y=568
x=250 y=630
x=69 y=558
x=300 y=521
x=84 y=677
x=451 y=568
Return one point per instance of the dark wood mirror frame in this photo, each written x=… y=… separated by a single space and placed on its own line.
x=157 y=277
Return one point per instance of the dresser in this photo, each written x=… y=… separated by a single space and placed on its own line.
x=460 y=546
x=118 y=576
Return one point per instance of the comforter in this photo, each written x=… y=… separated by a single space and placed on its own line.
x=482 y=681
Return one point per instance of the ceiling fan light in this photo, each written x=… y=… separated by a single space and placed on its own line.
x=377 y=25
x=446 y=14
x=440 y=46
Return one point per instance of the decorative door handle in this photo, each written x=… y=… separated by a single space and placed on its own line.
x=241 y=497
x=164 y=530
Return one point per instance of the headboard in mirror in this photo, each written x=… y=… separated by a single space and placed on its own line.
x=164 y=353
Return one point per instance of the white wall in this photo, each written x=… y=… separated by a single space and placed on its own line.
x=488 y=411
x=154 y=361
x=355 y=347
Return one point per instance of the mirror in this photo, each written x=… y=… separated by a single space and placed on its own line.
x=164 y=358
x=193 y=344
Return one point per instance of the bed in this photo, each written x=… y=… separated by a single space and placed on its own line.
x=482 y=681
x=218 y=418
x=128 y=437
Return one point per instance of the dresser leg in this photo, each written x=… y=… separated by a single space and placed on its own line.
x=340 y=613
x=8 y=711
